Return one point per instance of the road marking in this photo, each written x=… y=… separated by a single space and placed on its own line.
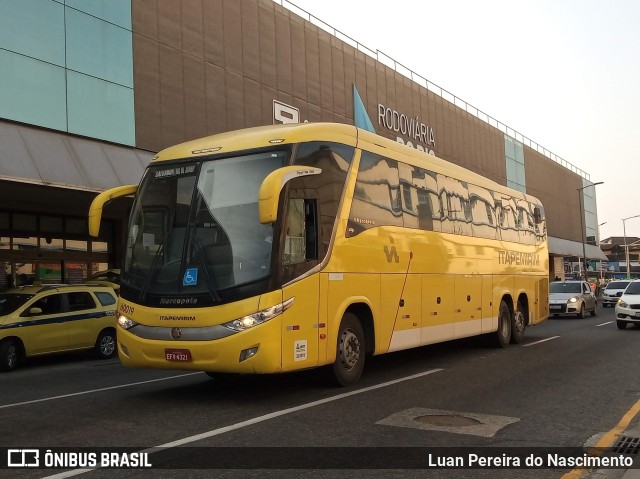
x=4 y=406
x=256 y=420
x=541 y=341
x=607 y=440
x=603 y=324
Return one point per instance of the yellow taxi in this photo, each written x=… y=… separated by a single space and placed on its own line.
x=39 y=320
x=109 y=277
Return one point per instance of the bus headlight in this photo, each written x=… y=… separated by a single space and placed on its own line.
x=126 y=323
x=248 y=322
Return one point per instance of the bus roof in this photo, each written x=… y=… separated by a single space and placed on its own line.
x=261 y=137
x=266 y=136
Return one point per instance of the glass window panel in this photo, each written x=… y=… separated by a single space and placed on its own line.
x=75 y=245
x=456 y=207
x=376 y=198
x=516 y=186
x=100 y=109
x=52 y=224
x=99 y=49
x=23 y=274
x=50 y=273
x=96 y=267
x=99 y=247
x=76 y=226
x=5 y=276
x=34 y=28
x=509 y=148
x=32 y=91
x=482 y=212
x=520 y=174
x=80 y=301
x=114 y=11
x=520 y=154
x=51 y=304
x=51 y=244
x=75 y=273
x=25 y=222
x=511 y=170
x=25 y=243
x=294 y=245
x=507 y=218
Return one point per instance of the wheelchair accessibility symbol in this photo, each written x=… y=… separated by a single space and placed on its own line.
x=190 y=277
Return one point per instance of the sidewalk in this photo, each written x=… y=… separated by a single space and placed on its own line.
x=633 y=431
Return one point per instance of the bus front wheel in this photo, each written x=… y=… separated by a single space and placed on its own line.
x=350 y=351
x=503 y=335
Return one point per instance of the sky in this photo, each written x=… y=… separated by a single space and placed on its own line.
x=564 y=73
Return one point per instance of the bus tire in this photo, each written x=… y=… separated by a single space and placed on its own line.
x=518 y=325
x=502 y=336
x=350 y=351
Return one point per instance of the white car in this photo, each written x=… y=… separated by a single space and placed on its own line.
x=571 y=298
x=613 y=291
x=628 y=307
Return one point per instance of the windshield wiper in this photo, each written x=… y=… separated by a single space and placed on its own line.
x=197 y=248
x=152 y=269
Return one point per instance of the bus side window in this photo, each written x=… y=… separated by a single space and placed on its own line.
x=301 y=231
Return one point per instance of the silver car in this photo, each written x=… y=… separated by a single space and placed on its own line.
x=613 y=291
x=628 y=307
x=571 y=298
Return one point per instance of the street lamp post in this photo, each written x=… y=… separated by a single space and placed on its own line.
x=584 y=241
x=601 y=272
x=626 y=246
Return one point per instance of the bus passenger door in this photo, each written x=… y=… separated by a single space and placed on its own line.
x=300 y=327
x=299 y=253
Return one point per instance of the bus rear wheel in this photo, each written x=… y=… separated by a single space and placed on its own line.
x=518 y=325
x=350 y=351
x=502 y=336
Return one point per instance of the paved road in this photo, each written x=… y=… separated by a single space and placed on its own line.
x=571 y=382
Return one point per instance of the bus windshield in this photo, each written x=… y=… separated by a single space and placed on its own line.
x=195 y=230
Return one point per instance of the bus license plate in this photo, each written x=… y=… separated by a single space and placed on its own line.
x=178 y=355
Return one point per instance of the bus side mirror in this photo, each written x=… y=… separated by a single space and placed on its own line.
x=272 y=185
x=537 y=215
x=95 y=210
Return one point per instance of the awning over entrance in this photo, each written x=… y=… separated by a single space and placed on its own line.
x=43 y=157
x=563 y=247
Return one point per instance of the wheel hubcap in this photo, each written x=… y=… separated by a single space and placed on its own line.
x=107 y=345
x=12 y=357
x=349 y=349
x=518 y=322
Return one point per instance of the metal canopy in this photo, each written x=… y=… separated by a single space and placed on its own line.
x=44 y=157
x=563 y=247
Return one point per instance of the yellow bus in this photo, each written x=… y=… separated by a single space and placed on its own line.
x=288 y=247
